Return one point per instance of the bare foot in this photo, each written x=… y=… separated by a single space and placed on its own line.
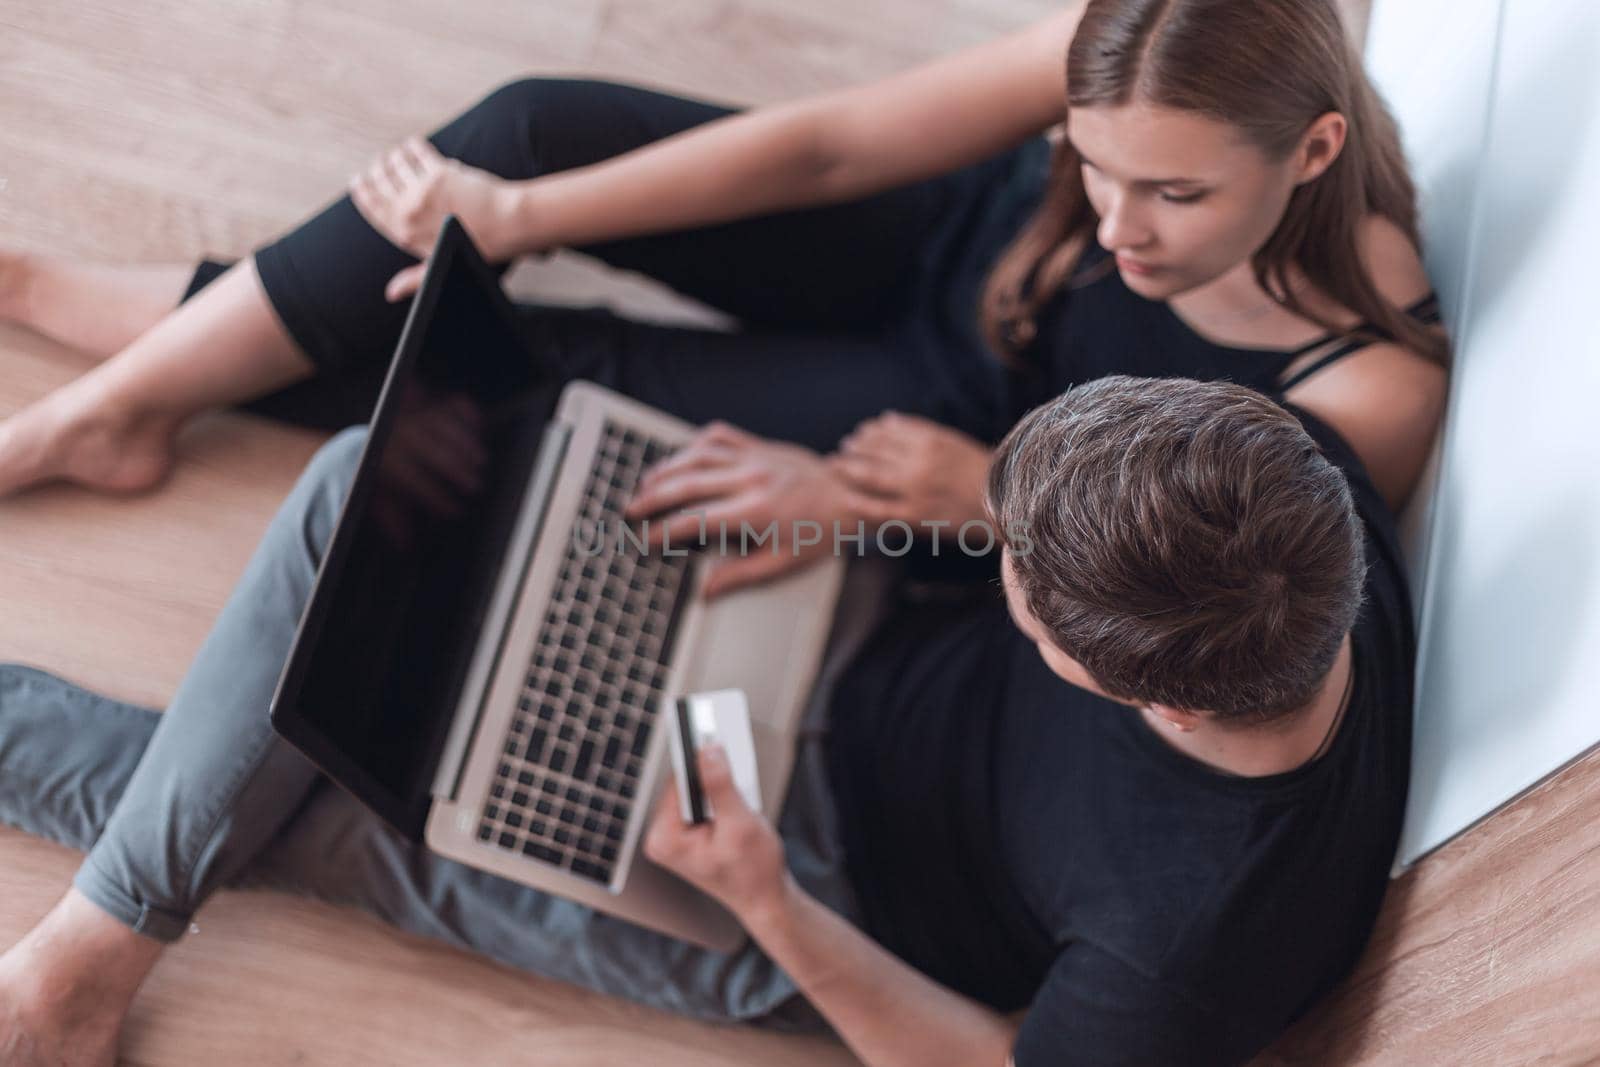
x=14 y=269
x=38 y=1030
x=66 y=987
x=74 y=436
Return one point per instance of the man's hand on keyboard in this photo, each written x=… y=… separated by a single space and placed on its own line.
x=774 y=505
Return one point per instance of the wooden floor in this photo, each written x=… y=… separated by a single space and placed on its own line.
x=205 y=126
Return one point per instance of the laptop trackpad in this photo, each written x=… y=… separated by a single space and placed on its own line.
x=764 y=640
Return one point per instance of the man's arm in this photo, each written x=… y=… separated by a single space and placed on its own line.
x=889 y=1014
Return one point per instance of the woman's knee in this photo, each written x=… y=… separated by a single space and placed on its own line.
x=533 y=126
x=518 y=100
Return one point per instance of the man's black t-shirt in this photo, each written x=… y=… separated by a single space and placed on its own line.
x=1032 y=845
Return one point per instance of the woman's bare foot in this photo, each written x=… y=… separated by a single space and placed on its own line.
x=114 y=428
x=75 y=434
x=14 y=274
x=98 y=308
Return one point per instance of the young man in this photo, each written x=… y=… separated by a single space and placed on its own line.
x=1155 y=812
x=1145 y=819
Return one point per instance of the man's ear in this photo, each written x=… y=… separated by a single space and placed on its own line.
x=1177 y=718
x=1319 y=146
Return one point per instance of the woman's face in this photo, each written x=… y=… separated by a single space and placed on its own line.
x=1182 y=198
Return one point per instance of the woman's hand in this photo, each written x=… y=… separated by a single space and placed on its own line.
x=407 y=192
x=736 y=857
x=913 y=469
x=727 y=480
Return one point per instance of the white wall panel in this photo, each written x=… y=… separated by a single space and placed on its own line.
x=1499 y=108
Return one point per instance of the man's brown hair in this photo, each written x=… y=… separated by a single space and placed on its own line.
x=1188 y=543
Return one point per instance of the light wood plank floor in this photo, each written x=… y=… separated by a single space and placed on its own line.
x=164 y=130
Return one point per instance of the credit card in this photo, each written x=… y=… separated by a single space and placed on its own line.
x=722 y=717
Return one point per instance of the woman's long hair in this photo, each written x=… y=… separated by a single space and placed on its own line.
x=1269 y=68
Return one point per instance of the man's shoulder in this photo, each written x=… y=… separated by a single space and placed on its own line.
x=1386 y=567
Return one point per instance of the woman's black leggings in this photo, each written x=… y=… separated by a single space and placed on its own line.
x=818 y=292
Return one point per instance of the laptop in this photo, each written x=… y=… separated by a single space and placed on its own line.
x=490 y=658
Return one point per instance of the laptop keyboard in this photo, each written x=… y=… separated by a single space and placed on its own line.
x=570 y=766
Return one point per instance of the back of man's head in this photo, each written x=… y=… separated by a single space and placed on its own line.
x=1189 y=544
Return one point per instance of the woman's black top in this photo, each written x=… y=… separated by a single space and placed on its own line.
x=1089 y=330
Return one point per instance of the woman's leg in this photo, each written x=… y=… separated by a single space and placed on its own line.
x=98 y=308
x=839 y=269
x=115 y=427
x=810 y=389
x=314 y=300
x=836 y=268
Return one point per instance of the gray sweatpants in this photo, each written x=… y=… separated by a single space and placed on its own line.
x=173 y=806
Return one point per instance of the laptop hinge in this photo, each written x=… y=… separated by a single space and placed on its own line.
x=497 y=622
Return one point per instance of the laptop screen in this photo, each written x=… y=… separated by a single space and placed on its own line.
x=372 y=683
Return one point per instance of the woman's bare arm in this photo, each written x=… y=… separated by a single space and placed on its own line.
x=1385 y=400
x=835 y=146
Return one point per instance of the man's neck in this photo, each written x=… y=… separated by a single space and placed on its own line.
x=1259 y=751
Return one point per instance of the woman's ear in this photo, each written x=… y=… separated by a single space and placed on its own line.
x=1319 y=146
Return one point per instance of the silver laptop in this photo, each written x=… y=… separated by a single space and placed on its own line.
x=491 y=656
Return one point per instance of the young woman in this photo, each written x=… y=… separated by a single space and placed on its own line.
x=887 y=246
x=1227 y=201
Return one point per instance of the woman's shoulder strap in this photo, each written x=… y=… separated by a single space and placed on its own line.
x=1425 y=311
